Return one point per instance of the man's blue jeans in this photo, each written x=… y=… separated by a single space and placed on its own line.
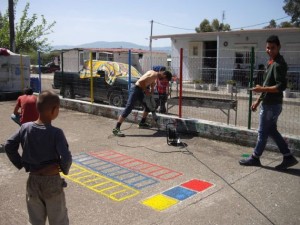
x=268 y=127
x=16 y=118
x=135 y=94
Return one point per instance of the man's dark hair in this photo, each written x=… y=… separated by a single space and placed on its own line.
x=28 y=91
x=159 y=68
x=47 y=100
x=273 y=39
x=168 y=75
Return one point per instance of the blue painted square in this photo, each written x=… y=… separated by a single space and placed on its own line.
x=179 y=193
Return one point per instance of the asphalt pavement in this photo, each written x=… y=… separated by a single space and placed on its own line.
x=141 y=180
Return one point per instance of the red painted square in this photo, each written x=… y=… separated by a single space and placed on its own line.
x=197 y=185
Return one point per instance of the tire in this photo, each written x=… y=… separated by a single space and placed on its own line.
x=116 y=99
x=68 y=92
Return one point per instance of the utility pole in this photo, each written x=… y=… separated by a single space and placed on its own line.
x=150 y=44
x=11 y=15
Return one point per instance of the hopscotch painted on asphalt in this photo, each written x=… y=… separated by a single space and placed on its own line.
x=176 y=194
x=131 y=178
x=146 y=168
x=120 y=177
x=100 y=184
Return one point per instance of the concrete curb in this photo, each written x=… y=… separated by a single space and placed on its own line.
x=196 y=127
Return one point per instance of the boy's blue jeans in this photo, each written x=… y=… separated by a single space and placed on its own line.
x=268 y=127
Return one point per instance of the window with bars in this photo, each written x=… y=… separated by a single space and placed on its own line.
x=105 y=56
x=195 y=51
x=243 y=58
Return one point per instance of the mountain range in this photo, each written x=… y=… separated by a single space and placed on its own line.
x=105 y=44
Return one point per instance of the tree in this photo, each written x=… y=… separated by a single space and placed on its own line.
x=4 y=30
x=215 y=25
x=45 y=57
x=286 y=24
x=292 y=8
x=226 y=27
x=272 y=24
x=1 y=21
x=204 y=27
x=29 y=36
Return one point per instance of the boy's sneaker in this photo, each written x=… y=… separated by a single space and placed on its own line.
x=250 y=161
x=288 y=161
x=118 y=132
x=144 y=125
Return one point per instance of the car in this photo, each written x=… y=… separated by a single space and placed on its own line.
x=48 y=68
x=110 y=82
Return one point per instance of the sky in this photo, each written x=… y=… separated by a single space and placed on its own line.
x=80 y=22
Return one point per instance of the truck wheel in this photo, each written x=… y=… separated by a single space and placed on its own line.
x=116 y=99
x=67 y=92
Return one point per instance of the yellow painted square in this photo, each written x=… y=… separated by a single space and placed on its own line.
x=160 y=202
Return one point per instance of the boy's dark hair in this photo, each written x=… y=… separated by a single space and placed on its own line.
x=28 y=91
x=47 y=101
x=168 y=75
x=273 y=39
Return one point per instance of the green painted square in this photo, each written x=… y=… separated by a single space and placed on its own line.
x=160 y=202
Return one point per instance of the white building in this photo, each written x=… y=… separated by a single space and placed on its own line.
x=73 y=59
x=216 y=54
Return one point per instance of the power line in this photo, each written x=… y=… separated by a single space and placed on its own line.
x=172 y=26
x=259 y=23
x=239 y=28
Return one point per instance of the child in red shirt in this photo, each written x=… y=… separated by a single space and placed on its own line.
x=27 y=104
x=162 y=86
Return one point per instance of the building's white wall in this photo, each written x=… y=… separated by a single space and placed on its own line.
x=290 y=43
x=155 y=59
x=177 y=44
x=123 y=58
x=195 y=53
x=71 y=61
x=74 y=59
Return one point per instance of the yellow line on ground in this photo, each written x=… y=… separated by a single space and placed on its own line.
x=128 y=192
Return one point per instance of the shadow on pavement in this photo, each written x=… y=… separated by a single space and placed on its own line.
x=291 y=171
